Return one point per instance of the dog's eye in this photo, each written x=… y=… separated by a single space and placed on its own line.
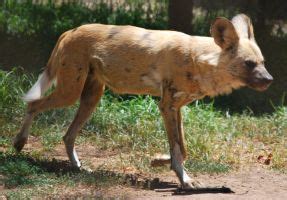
x=250 y=64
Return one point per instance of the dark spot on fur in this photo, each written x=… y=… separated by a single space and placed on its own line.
x=169 y=86
x=172 y=90
x=63 y=64
x=165 y=82
x=188 y=75
x=183 y=62
x=229 y=48
x=113 y=32
x=80 y=69
x=143 y=75
x=74 y=29
x=146 y=36
x=232 y=50
x=182 y=59
x=170 y=83
x=186 y=60
x=78 y=78
x=221 y=40
x=91 y=70
x=127 y=70
x=153 y=66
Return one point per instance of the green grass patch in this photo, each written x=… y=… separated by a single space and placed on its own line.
x=199 y=166
x=29 y=177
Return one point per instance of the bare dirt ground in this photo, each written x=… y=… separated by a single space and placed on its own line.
x=252 y=182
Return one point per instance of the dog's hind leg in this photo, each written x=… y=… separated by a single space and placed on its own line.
x=70 y=84
x=21 y=139
x=92 y=92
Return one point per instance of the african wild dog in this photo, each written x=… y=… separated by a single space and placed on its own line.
x=177 y=67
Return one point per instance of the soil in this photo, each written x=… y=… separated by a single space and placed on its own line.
x=250 y=182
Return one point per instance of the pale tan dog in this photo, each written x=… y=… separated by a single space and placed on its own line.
x=177 y=67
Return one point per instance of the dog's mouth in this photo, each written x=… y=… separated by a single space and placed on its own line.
x=259 y=79
x=258 y=85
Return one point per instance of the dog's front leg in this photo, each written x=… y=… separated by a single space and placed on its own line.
x=170 y=110
x=164 y=159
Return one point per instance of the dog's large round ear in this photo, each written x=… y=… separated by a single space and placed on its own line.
x=243 y=26
x=224 y=33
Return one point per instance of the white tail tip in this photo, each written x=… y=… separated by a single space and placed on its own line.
x=38 y=89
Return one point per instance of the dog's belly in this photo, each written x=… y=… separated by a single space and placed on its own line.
x=132 y=84
x=131 y=80
x=123 y=88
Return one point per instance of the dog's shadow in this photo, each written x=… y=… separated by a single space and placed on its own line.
x=162 y=186
x=61 y=168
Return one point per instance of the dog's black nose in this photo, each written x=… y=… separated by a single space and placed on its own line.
x=267 y=79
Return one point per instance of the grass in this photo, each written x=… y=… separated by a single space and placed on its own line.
x=217 y=141
x=27 y=177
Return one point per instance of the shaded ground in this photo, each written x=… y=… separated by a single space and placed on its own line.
x=252 y=182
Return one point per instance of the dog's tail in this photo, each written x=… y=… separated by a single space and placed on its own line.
x=46 y=79
x=39 y=88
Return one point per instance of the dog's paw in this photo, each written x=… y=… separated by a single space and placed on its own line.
x=19 y=143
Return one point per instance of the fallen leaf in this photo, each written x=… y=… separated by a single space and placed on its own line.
x=268 y=160
x=260 y=159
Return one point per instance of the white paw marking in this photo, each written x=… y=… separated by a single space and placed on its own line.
x=76 y=160
x=177 y=165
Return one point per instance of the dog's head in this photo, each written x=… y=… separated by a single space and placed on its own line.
x=241 y=54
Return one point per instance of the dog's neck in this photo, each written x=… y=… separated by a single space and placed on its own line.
x=213 y=67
